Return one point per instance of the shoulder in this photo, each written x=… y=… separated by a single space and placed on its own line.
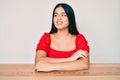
x=80 y=38
x=44 y=42
x=45 y=37
x=82 y=43
x=45 y=34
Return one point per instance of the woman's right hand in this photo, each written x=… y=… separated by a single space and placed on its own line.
x=44 y=66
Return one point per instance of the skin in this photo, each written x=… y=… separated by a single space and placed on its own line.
x=62 y=41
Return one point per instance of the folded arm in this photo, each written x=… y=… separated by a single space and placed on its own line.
x=78 y=61
x=42 y=56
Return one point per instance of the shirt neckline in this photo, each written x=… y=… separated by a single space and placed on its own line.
x=64 y=50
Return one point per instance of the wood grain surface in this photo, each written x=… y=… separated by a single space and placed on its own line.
x=27 y=72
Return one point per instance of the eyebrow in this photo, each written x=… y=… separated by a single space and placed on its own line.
x=60 y=13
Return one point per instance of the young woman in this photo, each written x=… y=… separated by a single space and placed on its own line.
x=63 y=48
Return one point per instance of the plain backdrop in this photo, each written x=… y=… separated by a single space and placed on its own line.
x=22 y=22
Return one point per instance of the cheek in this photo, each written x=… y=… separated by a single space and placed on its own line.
x=66 y=19
x=67 y=22
x=54 y=19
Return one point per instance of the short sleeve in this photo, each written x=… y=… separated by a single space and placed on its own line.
x=82 y=43
x=44 y=43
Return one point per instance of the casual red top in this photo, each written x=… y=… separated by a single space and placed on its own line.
x=44 y=44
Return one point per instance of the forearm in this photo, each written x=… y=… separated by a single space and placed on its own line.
x=54 y=60
x=44 y=63
x=41 y=56
x=75 y=56
x=72 y=65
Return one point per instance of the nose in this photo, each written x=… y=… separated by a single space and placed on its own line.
x=58 y=17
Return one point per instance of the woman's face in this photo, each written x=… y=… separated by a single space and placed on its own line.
x=60 y=18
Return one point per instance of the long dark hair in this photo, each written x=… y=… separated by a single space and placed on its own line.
x=71 y=17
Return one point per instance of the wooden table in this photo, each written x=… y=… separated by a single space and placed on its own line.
x=26 y=72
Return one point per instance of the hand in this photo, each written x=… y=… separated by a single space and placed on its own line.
x=43 y=66
x=78 y=54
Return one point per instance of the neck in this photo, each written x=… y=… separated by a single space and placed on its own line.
x=62 y=33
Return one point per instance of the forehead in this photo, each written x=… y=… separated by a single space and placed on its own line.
x=59 y=10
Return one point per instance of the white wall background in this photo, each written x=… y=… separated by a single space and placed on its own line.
x=22 y=22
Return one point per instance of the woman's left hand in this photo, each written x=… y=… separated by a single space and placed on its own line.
x=79 y=54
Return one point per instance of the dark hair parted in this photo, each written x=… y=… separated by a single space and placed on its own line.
x=71 y=17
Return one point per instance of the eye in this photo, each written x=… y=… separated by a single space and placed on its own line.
x=55 y=15
x=64 y=14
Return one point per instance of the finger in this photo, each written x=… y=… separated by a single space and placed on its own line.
x=83 y=54
x=37 y=66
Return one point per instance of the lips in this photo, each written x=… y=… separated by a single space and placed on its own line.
x=59 y=22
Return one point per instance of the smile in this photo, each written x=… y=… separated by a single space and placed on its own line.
x=59 y=22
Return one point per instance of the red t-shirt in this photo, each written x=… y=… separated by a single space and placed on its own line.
x=44 y=44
